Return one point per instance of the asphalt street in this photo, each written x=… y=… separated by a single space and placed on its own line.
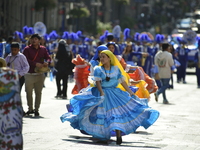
x=177 y=128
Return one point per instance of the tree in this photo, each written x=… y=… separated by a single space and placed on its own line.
x=101 y=27
x=128 y=22
x=44 y=4
x=123 y=2
x=79 y=13
x=120 y=3
x=39 y=4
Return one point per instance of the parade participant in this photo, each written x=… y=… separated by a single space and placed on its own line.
x=102 y=39
x=138 y=73
x=110 y=39
x=137 y=47
x=7 y=48
x=197 y=62
x=84 y=71
x=51 y=44
x=127 y=40
x=182 y=56
x=64 y=68
x=81 y=73
x=38 y=59
x=104 y=110
x=53 y=39
x=112 y=47
x=1 y=47
x=174 y=67
x=23 y=45
x=130 y=56
x=90 y=47
x=147 y=60
x=79 y=47
x=17 y=61
x=84 y=48
x=164 y=61
x=157 y=46
x=127 y=54
x=75 y=46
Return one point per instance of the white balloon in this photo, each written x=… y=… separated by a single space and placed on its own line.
x=40 y=28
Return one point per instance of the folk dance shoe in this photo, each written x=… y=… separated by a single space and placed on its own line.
x=119 y=140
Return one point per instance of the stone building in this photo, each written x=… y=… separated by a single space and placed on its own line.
x=15 y=14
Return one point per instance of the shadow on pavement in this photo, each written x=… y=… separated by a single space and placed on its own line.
x=94 y=141
x=143 y=133
x=33 y=117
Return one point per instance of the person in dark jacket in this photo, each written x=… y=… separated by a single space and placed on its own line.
x=64 y=68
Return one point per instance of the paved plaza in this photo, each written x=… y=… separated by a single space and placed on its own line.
x=177 y=128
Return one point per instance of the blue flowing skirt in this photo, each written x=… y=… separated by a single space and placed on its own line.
x=100 y=116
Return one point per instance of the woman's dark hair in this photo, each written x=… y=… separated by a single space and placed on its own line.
x=172 y=49
x=165 y=46
x=64 y=64
x=115 y=45
x=62 y=52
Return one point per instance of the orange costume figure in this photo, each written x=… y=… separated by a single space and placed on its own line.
x=81 y=73
x=137 y=75
x=144 y=88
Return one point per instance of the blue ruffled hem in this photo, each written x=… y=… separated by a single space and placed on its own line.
x=88 y=115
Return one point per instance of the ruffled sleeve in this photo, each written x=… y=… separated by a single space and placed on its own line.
x=120 y=77
x=97 y=73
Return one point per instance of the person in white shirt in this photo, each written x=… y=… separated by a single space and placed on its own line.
x=164 y=61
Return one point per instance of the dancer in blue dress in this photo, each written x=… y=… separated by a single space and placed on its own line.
x=105 y=110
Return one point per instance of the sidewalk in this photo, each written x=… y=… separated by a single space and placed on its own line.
x=177 y=128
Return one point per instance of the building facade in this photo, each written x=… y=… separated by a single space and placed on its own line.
x=15 y=14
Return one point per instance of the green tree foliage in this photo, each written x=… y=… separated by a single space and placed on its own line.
x=123 y=2
x=101 y=27
x=79 y=12
x=127 y=22
x=39 y=4
x=120 y=7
